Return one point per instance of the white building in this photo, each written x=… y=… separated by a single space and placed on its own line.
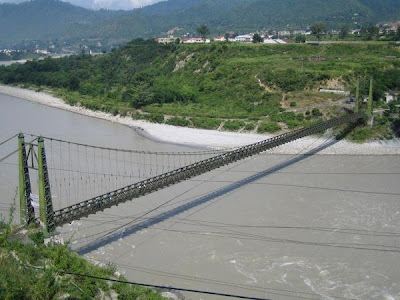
x=195 y=41
x=245 y=38
x=284 y=33
x=270 y=41
x=167 y=40
x=276 y=41
x=219 y=38
x=299 y=32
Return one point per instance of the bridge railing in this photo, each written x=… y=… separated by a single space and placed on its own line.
x=116 y=197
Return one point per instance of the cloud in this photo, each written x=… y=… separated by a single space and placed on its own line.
x=97 y=4
x=122 y=4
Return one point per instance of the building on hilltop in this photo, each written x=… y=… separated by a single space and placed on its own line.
x=245 y=38
x=195 y=41
x=167 y=40
x=219 y=38
x=284 y=33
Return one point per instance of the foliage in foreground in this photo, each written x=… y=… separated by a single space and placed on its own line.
x=18 y=281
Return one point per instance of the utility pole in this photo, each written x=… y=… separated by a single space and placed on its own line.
x=370 y=99
x=357 y=100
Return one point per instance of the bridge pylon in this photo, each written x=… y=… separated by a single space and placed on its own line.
x=27 y=214
x=45 y=201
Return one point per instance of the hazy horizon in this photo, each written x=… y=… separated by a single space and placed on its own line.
x=98 y=4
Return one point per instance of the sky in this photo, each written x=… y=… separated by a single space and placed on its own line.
x=96 y=4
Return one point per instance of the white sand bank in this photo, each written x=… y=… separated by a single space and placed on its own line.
x=204 y=138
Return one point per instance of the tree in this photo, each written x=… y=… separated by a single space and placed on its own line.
x=203 y=30
x=370 y=32
x=300 y=39
x=257 y=38
x=227 y=36
x=318 y=29
x=344 y=32
x=398 y=34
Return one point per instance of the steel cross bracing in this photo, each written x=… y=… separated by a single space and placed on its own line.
x=94 y=205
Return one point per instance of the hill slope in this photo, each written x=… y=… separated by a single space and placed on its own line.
x=243 y=86
x=53 y=19
x=43 y=19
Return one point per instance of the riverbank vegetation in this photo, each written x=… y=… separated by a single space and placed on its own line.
x=259 y=88
x=31 y=270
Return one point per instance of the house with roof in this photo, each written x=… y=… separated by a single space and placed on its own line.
x=195 y=40
x=219 y=38
x=245 y=38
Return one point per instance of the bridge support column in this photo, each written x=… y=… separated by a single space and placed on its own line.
x=27 y=214
x=45 y=201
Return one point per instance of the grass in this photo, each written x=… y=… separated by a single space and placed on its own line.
x=269 y=127
x=234 y=125
x=19 y=281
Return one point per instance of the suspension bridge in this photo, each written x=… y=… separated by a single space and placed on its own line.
x=76 y=180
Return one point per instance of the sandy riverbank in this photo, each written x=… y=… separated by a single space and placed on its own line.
x=199 y=137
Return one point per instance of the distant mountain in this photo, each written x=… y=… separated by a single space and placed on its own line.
x=50 y=19
x=43 y=19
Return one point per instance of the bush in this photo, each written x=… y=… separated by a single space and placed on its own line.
x=270 y=127
x=156 y=118
x=206 y=123
x=176 y=121
x=114 y=111
x=292 y=123
x=361 y=134
x=234 y=125
x=316 y=112
x=250 y=126
x=293 y=104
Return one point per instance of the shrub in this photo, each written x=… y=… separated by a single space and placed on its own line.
x=176 y=121
x=156 y=118
x=361 y=134
x=250 y=126
x=269 y=127
x=206 y=123
x=316 y=112
x=234 y=125
x=293 y=104
x=292 y=123
x=114 y=111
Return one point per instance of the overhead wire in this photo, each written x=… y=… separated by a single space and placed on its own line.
x=162 y=287
x=140 y=151
x=9 y=139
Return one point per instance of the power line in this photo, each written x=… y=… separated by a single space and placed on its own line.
x=9 y=139
x=162 y=287
x=213 y=281
x=135 y=151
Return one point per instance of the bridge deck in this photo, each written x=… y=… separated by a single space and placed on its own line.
x=96 y=204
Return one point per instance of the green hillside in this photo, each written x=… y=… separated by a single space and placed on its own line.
x=56 y=20
x=44 y=19
x=257 y=87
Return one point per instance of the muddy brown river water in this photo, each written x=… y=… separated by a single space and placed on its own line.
x=273 y=226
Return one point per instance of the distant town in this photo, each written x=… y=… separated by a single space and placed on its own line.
x=381 y=31
x=384 y=31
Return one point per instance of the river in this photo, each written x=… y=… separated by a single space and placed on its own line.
x=321 y=226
